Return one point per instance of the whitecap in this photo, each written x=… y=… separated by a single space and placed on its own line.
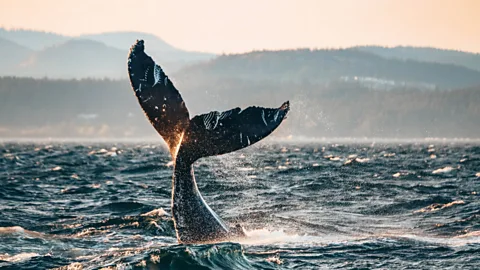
x=443 y=170
x=245 y=169
x=469 y=234
x=57 y=168
x=111 y=154
x=274 y=259
x=18 y=257
x=72 y=266
x=362 y=160
x=438 y=206
x=95 y=185
x=455 y=241
x=20 y=230
x=155 y=213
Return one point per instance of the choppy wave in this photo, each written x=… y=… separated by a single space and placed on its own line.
x=304 y=206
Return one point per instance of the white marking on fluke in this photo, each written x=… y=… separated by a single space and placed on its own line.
x=157 y=74
x=216 y=122
x=206 y=120
x=263 y=117
x=225 y=115
x=276 y=116
x=147 y=99
x=146 y=74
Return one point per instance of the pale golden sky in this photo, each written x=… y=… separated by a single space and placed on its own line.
x=239 y=26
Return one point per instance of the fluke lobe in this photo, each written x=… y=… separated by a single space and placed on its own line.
x=210 y=134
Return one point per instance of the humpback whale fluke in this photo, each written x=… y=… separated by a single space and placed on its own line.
x=160 y=100
x=214 y=133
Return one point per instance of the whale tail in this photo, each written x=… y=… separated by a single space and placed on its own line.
x=214 y=133
x=217 y=133
x=158 y=97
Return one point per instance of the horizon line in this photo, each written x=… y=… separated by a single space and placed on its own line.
x=273 y=140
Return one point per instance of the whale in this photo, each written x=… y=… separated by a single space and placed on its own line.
x=189 y=139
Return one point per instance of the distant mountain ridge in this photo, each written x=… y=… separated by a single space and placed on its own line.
x=426 y=54
x=29 y=53
x=34 y=40
x=12 y=54
x=122 y=40
x=77 y=56
x=42 y=54
x=322 y=66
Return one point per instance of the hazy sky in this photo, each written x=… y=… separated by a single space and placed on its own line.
x=238 y=26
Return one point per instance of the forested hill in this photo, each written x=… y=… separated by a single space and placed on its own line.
x=43 y=108
x=426 y=54
x=318 y=66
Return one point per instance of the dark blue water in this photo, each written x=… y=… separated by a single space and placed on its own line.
x=304 y=206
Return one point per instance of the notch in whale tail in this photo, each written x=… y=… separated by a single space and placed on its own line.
x=218 y=133
x=214 y=133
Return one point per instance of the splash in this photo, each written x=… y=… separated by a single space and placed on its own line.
x=279 y=237
x=264 y=236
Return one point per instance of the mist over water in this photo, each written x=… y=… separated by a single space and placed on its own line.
x=303 y=205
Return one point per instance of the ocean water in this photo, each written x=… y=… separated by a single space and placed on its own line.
x=304 y=206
